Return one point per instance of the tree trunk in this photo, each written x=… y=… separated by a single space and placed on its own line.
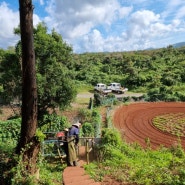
x=28 y=145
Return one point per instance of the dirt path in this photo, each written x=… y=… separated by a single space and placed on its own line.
x=76 y=175
x=135 y=123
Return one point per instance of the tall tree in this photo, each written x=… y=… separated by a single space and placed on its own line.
x=28 y=145
x=55 y=74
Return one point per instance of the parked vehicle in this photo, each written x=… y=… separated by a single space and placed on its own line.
x=116 y=88
x=113 y=87
x=102 y=88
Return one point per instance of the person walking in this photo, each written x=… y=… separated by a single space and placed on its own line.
x=73 y=140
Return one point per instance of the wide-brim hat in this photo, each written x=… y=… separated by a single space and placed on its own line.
x=77 y=124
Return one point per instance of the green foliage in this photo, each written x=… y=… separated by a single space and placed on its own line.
x=85 y=115
x=55 y=84
x=181 y=96
x=87 y=130
x=49 y=173
x=97 y=122
x=173 y=123
x=108 y=100
x=133 y=164
x=55 y=80
x=95 y=172
x=19 y=173
x=158 y=72
x=111 y=137
x=91 y=116
x=144 y=70
x=83 y=87
x=54 y=123
x=162 y=70
x=109 y=122
x=40 y=135
x=10 y=130
x=10 y=77
x=97 y=99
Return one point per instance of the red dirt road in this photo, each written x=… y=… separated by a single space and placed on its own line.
x=135 y=123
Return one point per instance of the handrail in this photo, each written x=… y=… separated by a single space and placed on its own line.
x=87 y=142
x=88 y=149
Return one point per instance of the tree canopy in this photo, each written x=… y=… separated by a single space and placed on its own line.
x=156 y=72
x=56 y=87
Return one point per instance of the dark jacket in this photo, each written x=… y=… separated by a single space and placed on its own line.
x=74 y=131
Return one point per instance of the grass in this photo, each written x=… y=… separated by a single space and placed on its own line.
x=82 y=101
x=84 y=88
x=84 y=94
x=135 y=165
x=83 y=98
x=124 y=163
x=50 y=170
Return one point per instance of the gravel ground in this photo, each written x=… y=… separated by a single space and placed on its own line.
x=91 y=95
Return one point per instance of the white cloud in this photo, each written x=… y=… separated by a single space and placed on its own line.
x=181 y=12
x=41 y=2
x=77 y=18
x=141 y=25
x=9 y=20
x=174 y=9
x=145 y=29
x=79 y=22
x=143 y=18
x=173 y=4
x=36 y=19
x=104 y=25
x=93 y=41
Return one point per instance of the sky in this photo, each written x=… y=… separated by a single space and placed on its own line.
x=102 y=25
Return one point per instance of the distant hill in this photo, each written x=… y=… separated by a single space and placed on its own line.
x=178 y=45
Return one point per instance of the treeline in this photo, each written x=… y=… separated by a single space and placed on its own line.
x=159 y=73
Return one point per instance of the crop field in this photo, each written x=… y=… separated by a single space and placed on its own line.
x=159 y=123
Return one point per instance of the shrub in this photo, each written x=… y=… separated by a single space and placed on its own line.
x=85 y=115
x=111 y=137
x=87 y=130
x=96 y=119
x=54 y=123
x=97 y=99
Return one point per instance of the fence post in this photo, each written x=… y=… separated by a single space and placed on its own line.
x=87 y=150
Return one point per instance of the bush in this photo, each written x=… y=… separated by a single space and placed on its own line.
x=97 y=99
x=96 y=119
x=111 y=137
x=85 y=115
x=54 y=123
x=87 y=130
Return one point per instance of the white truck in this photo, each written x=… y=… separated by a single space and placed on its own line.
x=113 y=87
x=116 y=88
x=102 y=88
